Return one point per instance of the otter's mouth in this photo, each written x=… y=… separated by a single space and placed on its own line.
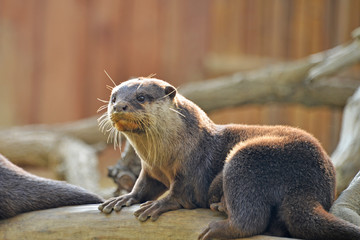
x=125 y=122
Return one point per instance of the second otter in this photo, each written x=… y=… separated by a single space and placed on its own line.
x=21 y=192
x=270 y=180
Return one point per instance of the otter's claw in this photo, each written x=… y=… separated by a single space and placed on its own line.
x=153 y=209
x=117 y=203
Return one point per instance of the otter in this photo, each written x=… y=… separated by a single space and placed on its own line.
x=274 y=180
x=21 y=192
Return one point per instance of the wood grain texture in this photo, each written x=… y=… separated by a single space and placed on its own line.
x=87 y=222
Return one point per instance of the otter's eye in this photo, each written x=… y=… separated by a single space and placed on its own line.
x=140 y=98
x=113 y=99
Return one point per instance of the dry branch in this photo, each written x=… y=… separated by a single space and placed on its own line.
x=87 y=222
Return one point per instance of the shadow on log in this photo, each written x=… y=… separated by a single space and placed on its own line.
x=87 y=222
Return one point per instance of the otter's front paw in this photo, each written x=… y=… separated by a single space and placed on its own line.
x=154 y=209
x=117 y=203
x=219 y=206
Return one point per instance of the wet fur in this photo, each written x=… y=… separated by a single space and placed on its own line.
x=22 y=192
x=268 y=179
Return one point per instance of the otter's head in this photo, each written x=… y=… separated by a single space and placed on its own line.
x=134 y=103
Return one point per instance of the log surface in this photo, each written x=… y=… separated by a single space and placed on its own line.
x=347 y=206
x=87 y=222
x=346 y=156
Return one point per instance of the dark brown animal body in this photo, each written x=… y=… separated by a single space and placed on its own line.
x=22 y=192
x=269 y=179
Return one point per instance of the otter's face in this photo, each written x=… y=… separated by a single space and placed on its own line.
x=131 y=101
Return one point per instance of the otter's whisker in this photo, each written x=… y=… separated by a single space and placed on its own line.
x=109 y=87
x=110 y=78
x=102 y=108
x=104 y=123
x=109 y=129
x=101 y=100
x=111 y=134
x=102 y=117
x=168 y=94
x=107 y=125
x=141 y=83
x=151 y=75
x=157 y=147
x=177 y=112
x=116 y=139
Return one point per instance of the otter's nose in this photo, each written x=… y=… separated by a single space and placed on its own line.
x=120 y=107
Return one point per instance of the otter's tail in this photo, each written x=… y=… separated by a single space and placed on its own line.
x=22 y=192
x=38 y=194
x=312 y=221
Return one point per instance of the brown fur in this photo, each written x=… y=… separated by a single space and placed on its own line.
x=268 y=179
x=22 y=192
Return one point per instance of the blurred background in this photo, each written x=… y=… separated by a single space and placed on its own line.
x=53 y=53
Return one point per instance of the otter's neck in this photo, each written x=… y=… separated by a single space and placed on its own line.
x=159 y=144
x=173 y=133
x=155 y=146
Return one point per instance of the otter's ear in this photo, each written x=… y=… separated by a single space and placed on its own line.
x=170 y=91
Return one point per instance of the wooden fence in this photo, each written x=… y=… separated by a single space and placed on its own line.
x=53 y=53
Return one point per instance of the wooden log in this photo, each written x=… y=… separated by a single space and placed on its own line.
x=283 y=83
x=87 y=222
x=306 y=81
x=346 y=156
x=86 y=130
x=347 y=206
x=344 y=57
